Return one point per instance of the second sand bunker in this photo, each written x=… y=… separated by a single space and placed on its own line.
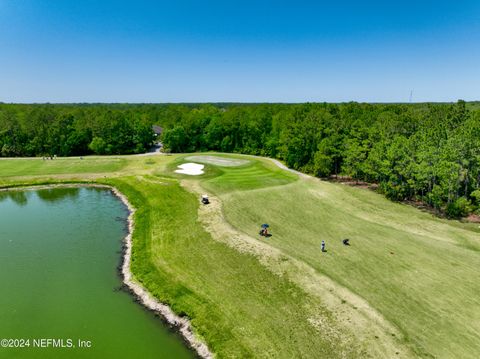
x=218 y=161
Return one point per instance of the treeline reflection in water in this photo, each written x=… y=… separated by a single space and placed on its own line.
x=55 y=194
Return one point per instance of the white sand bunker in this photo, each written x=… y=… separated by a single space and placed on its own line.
x=218 y=161
x=192 y=169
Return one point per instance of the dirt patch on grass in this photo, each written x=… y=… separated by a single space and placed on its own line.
x=473 y=218
x=357 y=324
x=218 y=161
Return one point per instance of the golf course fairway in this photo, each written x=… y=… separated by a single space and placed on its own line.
x=406 y=287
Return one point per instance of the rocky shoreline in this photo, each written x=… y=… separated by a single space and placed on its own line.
x=146 y=299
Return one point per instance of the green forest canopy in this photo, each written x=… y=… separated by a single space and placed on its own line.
x=428 y=152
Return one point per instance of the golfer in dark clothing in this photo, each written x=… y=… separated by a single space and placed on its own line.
x=323 y=246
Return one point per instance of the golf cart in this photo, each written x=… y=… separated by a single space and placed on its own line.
x=205 y=199
x=264 y=230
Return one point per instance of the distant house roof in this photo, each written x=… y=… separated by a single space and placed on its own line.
x=157 y=129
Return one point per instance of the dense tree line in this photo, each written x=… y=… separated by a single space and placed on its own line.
x=426 y=152
x=68 y=130
x=421 y=152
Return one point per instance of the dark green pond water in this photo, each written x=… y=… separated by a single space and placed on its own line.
x=59 y=252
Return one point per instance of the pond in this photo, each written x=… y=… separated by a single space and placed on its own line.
x=59 y=253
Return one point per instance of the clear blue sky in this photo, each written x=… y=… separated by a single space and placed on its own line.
x=243 y=51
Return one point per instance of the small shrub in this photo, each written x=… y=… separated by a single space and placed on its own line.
x=461 y=207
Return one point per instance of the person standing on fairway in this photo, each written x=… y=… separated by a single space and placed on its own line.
x=323 y=246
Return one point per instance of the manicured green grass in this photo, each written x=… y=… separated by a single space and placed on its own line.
x=258 y=174
x=38 y=166
x=418 y=272
x=237 y=305
x=74 y=169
